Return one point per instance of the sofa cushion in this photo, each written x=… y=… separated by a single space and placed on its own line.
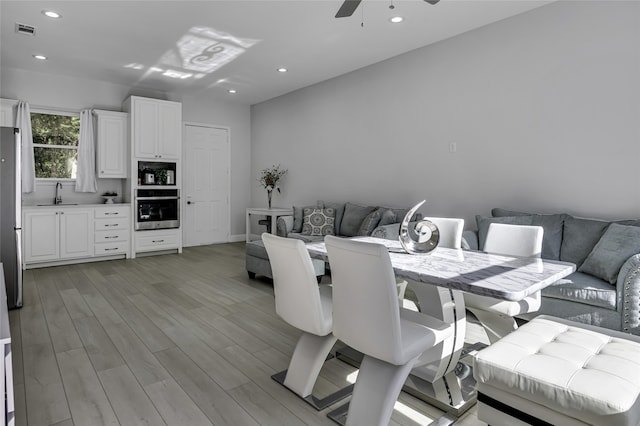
x=483 y=223
x=583 y=288
x=256 y=249
x=352 y=219
x=617 y=244
x=306 y=238
x=298 y=214
x=579 y=236
x=369 y=223
x=388 y=217
x=318 y=221
x=552 y=225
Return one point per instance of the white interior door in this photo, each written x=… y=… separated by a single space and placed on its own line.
x=205 y=185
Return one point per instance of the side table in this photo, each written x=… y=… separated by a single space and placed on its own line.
x=273 y=213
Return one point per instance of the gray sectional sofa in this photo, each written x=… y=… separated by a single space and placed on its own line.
x=605 y=289
x=341 y=219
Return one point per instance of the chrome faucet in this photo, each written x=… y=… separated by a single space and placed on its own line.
x=58 y=199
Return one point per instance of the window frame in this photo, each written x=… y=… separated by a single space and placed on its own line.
x=51 y=111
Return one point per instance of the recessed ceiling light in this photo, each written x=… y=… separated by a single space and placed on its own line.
x=40 y=57
x=396 y=19
x=282 y=69
x=51 y=14
x=232 y=91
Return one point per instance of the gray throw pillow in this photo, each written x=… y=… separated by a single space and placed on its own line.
x=618 y=243
x=388 y=217
x=298 y=212
x=353 y=217
x=579 y=236
x=316 y=222
x=369 y=223
x=483 y=223
x=552 y=225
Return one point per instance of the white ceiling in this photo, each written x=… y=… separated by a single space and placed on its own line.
x=134 y=42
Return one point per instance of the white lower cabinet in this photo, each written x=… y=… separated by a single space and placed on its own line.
x=112 y=226
x=58 y=233
x=66 y=234
x=165 y=239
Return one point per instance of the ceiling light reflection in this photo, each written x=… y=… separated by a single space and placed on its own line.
x=396 y=19
x=40 y=57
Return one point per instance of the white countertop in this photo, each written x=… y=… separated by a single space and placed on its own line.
x=43 y=206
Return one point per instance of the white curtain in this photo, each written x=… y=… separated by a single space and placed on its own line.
x=23 y=122
x=86 y=171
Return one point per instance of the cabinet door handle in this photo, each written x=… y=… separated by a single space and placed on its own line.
x=111 y=213
x=157 y=241
x=111 y=224
x=110 y=249
x=111 y=237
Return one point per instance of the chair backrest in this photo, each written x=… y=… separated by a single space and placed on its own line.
x=514 y=240
x=450 y=231
x=295 y=286
x=366 y=314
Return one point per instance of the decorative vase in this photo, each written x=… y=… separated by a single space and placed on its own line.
x=269 y=197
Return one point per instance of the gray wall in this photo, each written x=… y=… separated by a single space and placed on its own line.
x=544 y=109
x=72 y=93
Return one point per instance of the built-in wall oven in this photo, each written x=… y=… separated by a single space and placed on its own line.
x=157 y=209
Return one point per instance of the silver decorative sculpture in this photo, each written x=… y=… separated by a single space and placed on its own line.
x=426 y=234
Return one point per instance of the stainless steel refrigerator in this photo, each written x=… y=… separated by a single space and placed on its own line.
x=11 y=214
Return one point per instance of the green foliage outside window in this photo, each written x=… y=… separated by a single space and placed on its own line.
x=55 y=143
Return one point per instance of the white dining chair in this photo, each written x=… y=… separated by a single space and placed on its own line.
x=497 y=316
x=368 y=318
x=305 y=305
x=444 y=304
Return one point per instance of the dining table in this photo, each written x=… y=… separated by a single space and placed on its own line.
x=443 y=375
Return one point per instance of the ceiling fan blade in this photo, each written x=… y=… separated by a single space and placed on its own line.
x=432 y=1
x=348 y=7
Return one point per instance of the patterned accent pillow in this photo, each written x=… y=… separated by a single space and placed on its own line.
x=318 y=221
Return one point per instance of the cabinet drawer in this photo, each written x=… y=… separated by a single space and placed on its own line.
x=111 y=223
x=111 y=236
x=111 y=212
x=106 y=249
x=156 y=241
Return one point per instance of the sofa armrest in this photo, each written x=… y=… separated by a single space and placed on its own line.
x=628 y=287
x=284 y=225
x=470 y=240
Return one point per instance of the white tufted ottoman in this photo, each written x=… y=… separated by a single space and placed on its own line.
x=558 y=372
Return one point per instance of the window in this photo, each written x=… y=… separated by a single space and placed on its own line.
x=55 y=144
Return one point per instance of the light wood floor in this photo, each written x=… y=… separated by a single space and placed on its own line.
x=174 y=339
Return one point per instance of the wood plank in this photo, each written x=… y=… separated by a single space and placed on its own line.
x=101 y=350
x=219 y=407
x=88 y=402
x=129 y=401
x=45 y=398
x=140 y=360
x=174 y=405
x=75 y=303
x=63 y=334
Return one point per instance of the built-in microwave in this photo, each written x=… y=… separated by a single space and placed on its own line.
x=157 y=209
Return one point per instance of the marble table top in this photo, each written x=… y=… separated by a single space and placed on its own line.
x=498 y=276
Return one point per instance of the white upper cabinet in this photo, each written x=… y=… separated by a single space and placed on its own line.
x=112 y=143
x=8 y=112
x=156 y=128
